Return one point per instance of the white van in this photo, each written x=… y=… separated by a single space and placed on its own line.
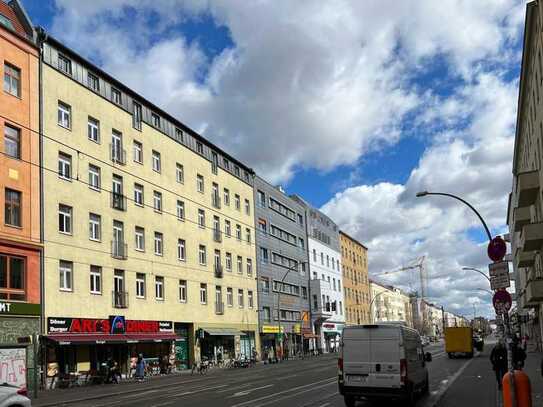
x=384 y=360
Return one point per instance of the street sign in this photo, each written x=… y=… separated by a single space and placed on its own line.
x=499 y=275
x=496 y=249
x=502 y=301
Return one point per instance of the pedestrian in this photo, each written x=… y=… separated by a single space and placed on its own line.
x=140 y=368
x=498 y=358
x=519 y=355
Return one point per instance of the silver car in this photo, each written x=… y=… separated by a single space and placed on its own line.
x=13 y=396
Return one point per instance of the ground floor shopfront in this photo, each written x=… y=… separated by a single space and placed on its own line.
x=228 y=341
x=328 y=336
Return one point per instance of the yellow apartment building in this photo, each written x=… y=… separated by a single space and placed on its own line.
x=356 y=286
x=148 y=230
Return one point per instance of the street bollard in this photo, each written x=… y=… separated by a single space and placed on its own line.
x=523 y=390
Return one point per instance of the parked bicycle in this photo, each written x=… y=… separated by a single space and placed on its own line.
x=200 y=367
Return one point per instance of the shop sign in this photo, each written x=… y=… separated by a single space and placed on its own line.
x=271 y=329
x=116 y=324
x=296 y=328
x=328 y=327
x=19 y=308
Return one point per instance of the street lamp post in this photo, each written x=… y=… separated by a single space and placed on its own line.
x=478 y=271
x=371 y=302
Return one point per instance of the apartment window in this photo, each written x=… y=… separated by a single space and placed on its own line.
x=238 y=232
x=159 y=244
x=64 y=64
x=249 y=267
x=240 y=265
x=200 y=148
x=140 y=285
x=214 y=163
x=215 y=197
x=304 y=293
x=12 y=278
x=12 y=141
x=314 y=255
x=322 y=258
x=179 y=173
x=202 y=255
x=118 y=154
x=327 y=261
x=228 y=262
x=240 y=298
x=334 y=264
x=341 y=308
x=116 y=96
x=250 y=301
x=230 y=297
x=95 y=227
x=236 y=171
x=248 y=234
x=95 y=280
x=180 y=135
x=159 y=288
x=64 y=115
x=262 y=225
x=226 y=195
x=66 y=275
x=226 y=164
x=93 y=130
x=200 y=183
x=182 y=290
x=12 y=80
x=300 y=220
x=264 y=257
x=237 y=202
x=180 y=210
x=94 y=177
x=138 y=194
x=261 y=199
x=156 y=161
x=65 y=219
x=247 y=207
x=337 y=263
x=12 y=211
x=265 y=284
x=181 y=253
x=136 y=116
x=93 y=82
x=137 y=149
x=155 y=119
x=227 y=228
x=301 y=243
x=157 y=201
x=140 y=238
x=201 y=218
x=266 y=314
x=334 y=284
x=64 y=166
x=203 y=293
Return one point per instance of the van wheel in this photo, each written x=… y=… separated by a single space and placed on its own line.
x=426 y=387
x=349 y=401
x=410 y=398
x=470 y=355
x=450 y=355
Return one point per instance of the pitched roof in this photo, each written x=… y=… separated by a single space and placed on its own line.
x=11 y=15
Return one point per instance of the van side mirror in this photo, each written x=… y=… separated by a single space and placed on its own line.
x=428 y=357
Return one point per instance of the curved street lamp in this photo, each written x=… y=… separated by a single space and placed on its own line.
x=478 y=271
x=371 y=302
x=425 y=193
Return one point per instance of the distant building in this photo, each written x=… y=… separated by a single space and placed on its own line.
x=390 y=304
x=356 y=285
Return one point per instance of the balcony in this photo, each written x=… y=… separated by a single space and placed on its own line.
x=120 y=299
x=217 y=235
x=119 y=249
x=117 y=155
x=218 y=271
x=118 y=201
x=524 y=259
x=531 y=237
x=215 y=200
x=219 y=308
x=527 y=188
x=521 y=216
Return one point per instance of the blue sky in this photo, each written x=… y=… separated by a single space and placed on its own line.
x=353 y=106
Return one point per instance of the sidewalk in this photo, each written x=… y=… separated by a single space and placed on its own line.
x=57 y=397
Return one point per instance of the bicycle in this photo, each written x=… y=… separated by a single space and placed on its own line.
x=201 y=367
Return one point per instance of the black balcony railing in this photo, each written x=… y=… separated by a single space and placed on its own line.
x=215 y=200
x=119 y=249
x=218 y=270
x=118 y=201
x=219 y=308
x=217 y=235
x=120 y=299
x=117 y=154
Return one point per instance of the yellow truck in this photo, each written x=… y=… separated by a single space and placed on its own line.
x=459 y=341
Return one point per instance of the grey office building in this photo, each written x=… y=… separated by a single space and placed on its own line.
x=281 y=242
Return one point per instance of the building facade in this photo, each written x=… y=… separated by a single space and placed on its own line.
x=325 y=279
x=20 y=240
x=525 y=210
x=149 y=228
x=283 y=299
x=356 y=285
x=390 y=304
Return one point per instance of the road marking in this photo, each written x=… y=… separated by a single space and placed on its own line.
x=246 y=392
x=333 y=382
x=251 y=402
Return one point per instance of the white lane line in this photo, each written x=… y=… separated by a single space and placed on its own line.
x=251 y=402
x=246 y=392
x=334 y=382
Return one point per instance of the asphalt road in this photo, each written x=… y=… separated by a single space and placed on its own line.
x=310 y=382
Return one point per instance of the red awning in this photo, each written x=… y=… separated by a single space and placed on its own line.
x=67 y=339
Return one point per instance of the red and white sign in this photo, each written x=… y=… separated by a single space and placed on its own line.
x=502 y=301
x=496 y=249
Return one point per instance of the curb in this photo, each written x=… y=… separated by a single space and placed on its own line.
x=439 y=396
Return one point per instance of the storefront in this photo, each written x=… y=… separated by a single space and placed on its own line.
x=332 y=336
x=225 y=343
x=75 y=345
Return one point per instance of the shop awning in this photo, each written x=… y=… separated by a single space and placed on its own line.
x=223 y=332
x=68 y=339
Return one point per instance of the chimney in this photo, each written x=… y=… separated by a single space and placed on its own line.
x=280 y=189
